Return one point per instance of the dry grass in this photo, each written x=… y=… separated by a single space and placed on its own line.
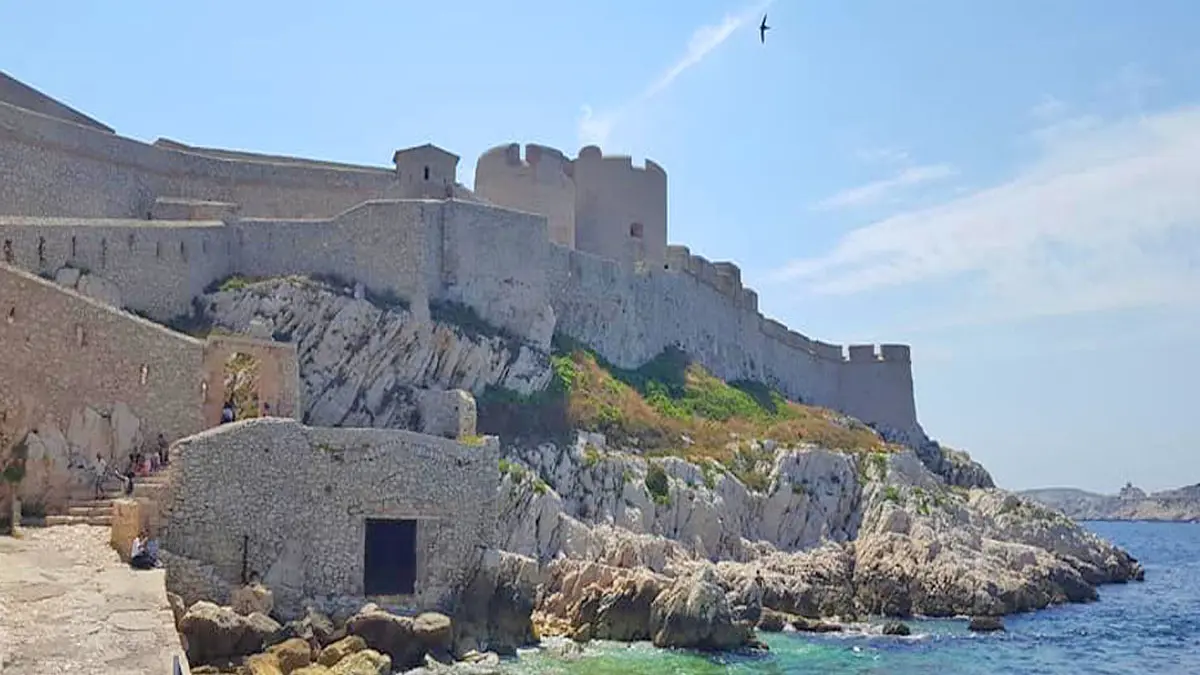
x=671 y=406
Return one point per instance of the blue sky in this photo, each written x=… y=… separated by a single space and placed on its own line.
x=1011 y=187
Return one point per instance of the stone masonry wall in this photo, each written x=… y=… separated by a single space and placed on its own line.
x=300 y=497
x=158 y=268
x=67 y=353
x=115 y=177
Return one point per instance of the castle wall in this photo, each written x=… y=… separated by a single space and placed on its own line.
x=17 y=93
x=540 y=183
x=617 y=203
x=381 y=244
x=631 y=317
x=494 y=260
x=67 y=353
x=51 y=167
x=158 y=268
x=305 y=527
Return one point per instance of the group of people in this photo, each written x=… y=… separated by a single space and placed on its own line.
x=229 y=411
x=139 y=463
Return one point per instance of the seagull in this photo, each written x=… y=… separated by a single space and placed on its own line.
x=762 y=30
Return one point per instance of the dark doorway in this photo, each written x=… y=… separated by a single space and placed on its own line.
x=390 y=557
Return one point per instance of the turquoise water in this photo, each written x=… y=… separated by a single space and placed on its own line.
x=1134 y=628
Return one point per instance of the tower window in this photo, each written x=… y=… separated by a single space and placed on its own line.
x=426 y=173
x=635 y=230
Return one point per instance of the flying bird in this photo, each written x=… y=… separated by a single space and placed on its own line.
x=762 y=30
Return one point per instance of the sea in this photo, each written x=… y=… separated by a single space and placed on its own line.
x=1149 y=627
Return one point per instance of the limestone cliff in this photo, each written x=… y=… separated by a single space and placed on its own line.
x=832 y=534
x=1181 y=504
x=362 y=362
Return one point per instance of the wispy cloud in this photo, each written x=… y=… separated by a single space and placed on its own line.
x=876 y=191
x=883 y=155
x=1107 y=218
x=595 y=126
x=1049 y=108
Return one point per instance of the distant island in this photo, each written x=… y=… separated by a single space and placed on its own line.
x=1131 y=503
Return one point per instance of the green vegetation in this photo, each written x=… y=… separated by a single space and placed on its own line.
x=472 y=440
x=892 y=494
x=670 y=406
x=591 y=456
x=657 y=484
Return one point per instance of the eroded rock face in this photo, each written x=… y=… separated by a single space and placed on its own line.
x=694 y=614
x=495 y=610
x=362 y=365
x=897 y=539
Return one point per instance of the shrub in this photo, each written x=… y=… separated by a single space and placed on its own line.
x=657 y=483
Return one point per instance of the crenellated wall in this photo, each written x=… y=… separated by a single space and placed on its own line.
x=541 y=182
x=599 y=204
x=630 y=317
x=577 y=246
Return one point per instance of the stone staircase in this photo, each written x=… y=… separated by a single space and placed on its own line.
x=90 y=511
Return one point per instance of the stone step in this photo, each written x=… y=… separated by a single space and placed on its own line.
x=99 y=521
x=91 y=503
x=85 y=511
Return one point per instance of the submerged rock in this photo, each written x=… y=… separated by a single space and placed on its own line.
x=985 y=624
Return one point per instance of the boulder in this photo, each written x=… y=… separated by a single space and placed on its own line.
x=292 y=654
x=316 y=628
x=339 y=650
x=214 y=633
x=434 y=631
x=618 y=612
x=985 y=624
x=496 y=609
x=263 y=664
x=366 y=662
x=694 y=614
x=389 y=634
x=896 y=628
x=772 y=621
x=805 y=625
x=252 y=598
x=308 y=670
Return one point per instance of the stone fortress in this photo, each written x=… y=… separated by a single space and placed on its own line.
x=543 y=244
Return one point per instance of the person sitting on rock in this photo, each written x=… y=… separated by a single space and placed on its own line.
x=228 y=413
x=143 y=555
x=139 y=553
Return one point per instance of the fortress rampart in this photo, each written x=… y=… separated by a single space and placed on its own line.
x=68 y=353
x=413 y=234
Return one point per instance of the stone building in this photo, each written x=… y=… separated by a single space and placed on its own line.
x=331 y=516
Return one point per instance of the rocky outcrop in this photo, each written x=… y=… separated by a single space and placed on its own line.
x=495 y=609
x=832 y=535
x=694 y=614
x=954 y=467
x=1131 y=503
x=362 y=363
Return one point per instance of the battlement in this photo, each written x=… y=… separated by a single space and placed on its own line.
x=575 y=246
x=649 y=168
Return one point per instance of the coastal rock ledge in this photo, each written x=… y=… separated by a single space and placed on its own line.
x=833 y=536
